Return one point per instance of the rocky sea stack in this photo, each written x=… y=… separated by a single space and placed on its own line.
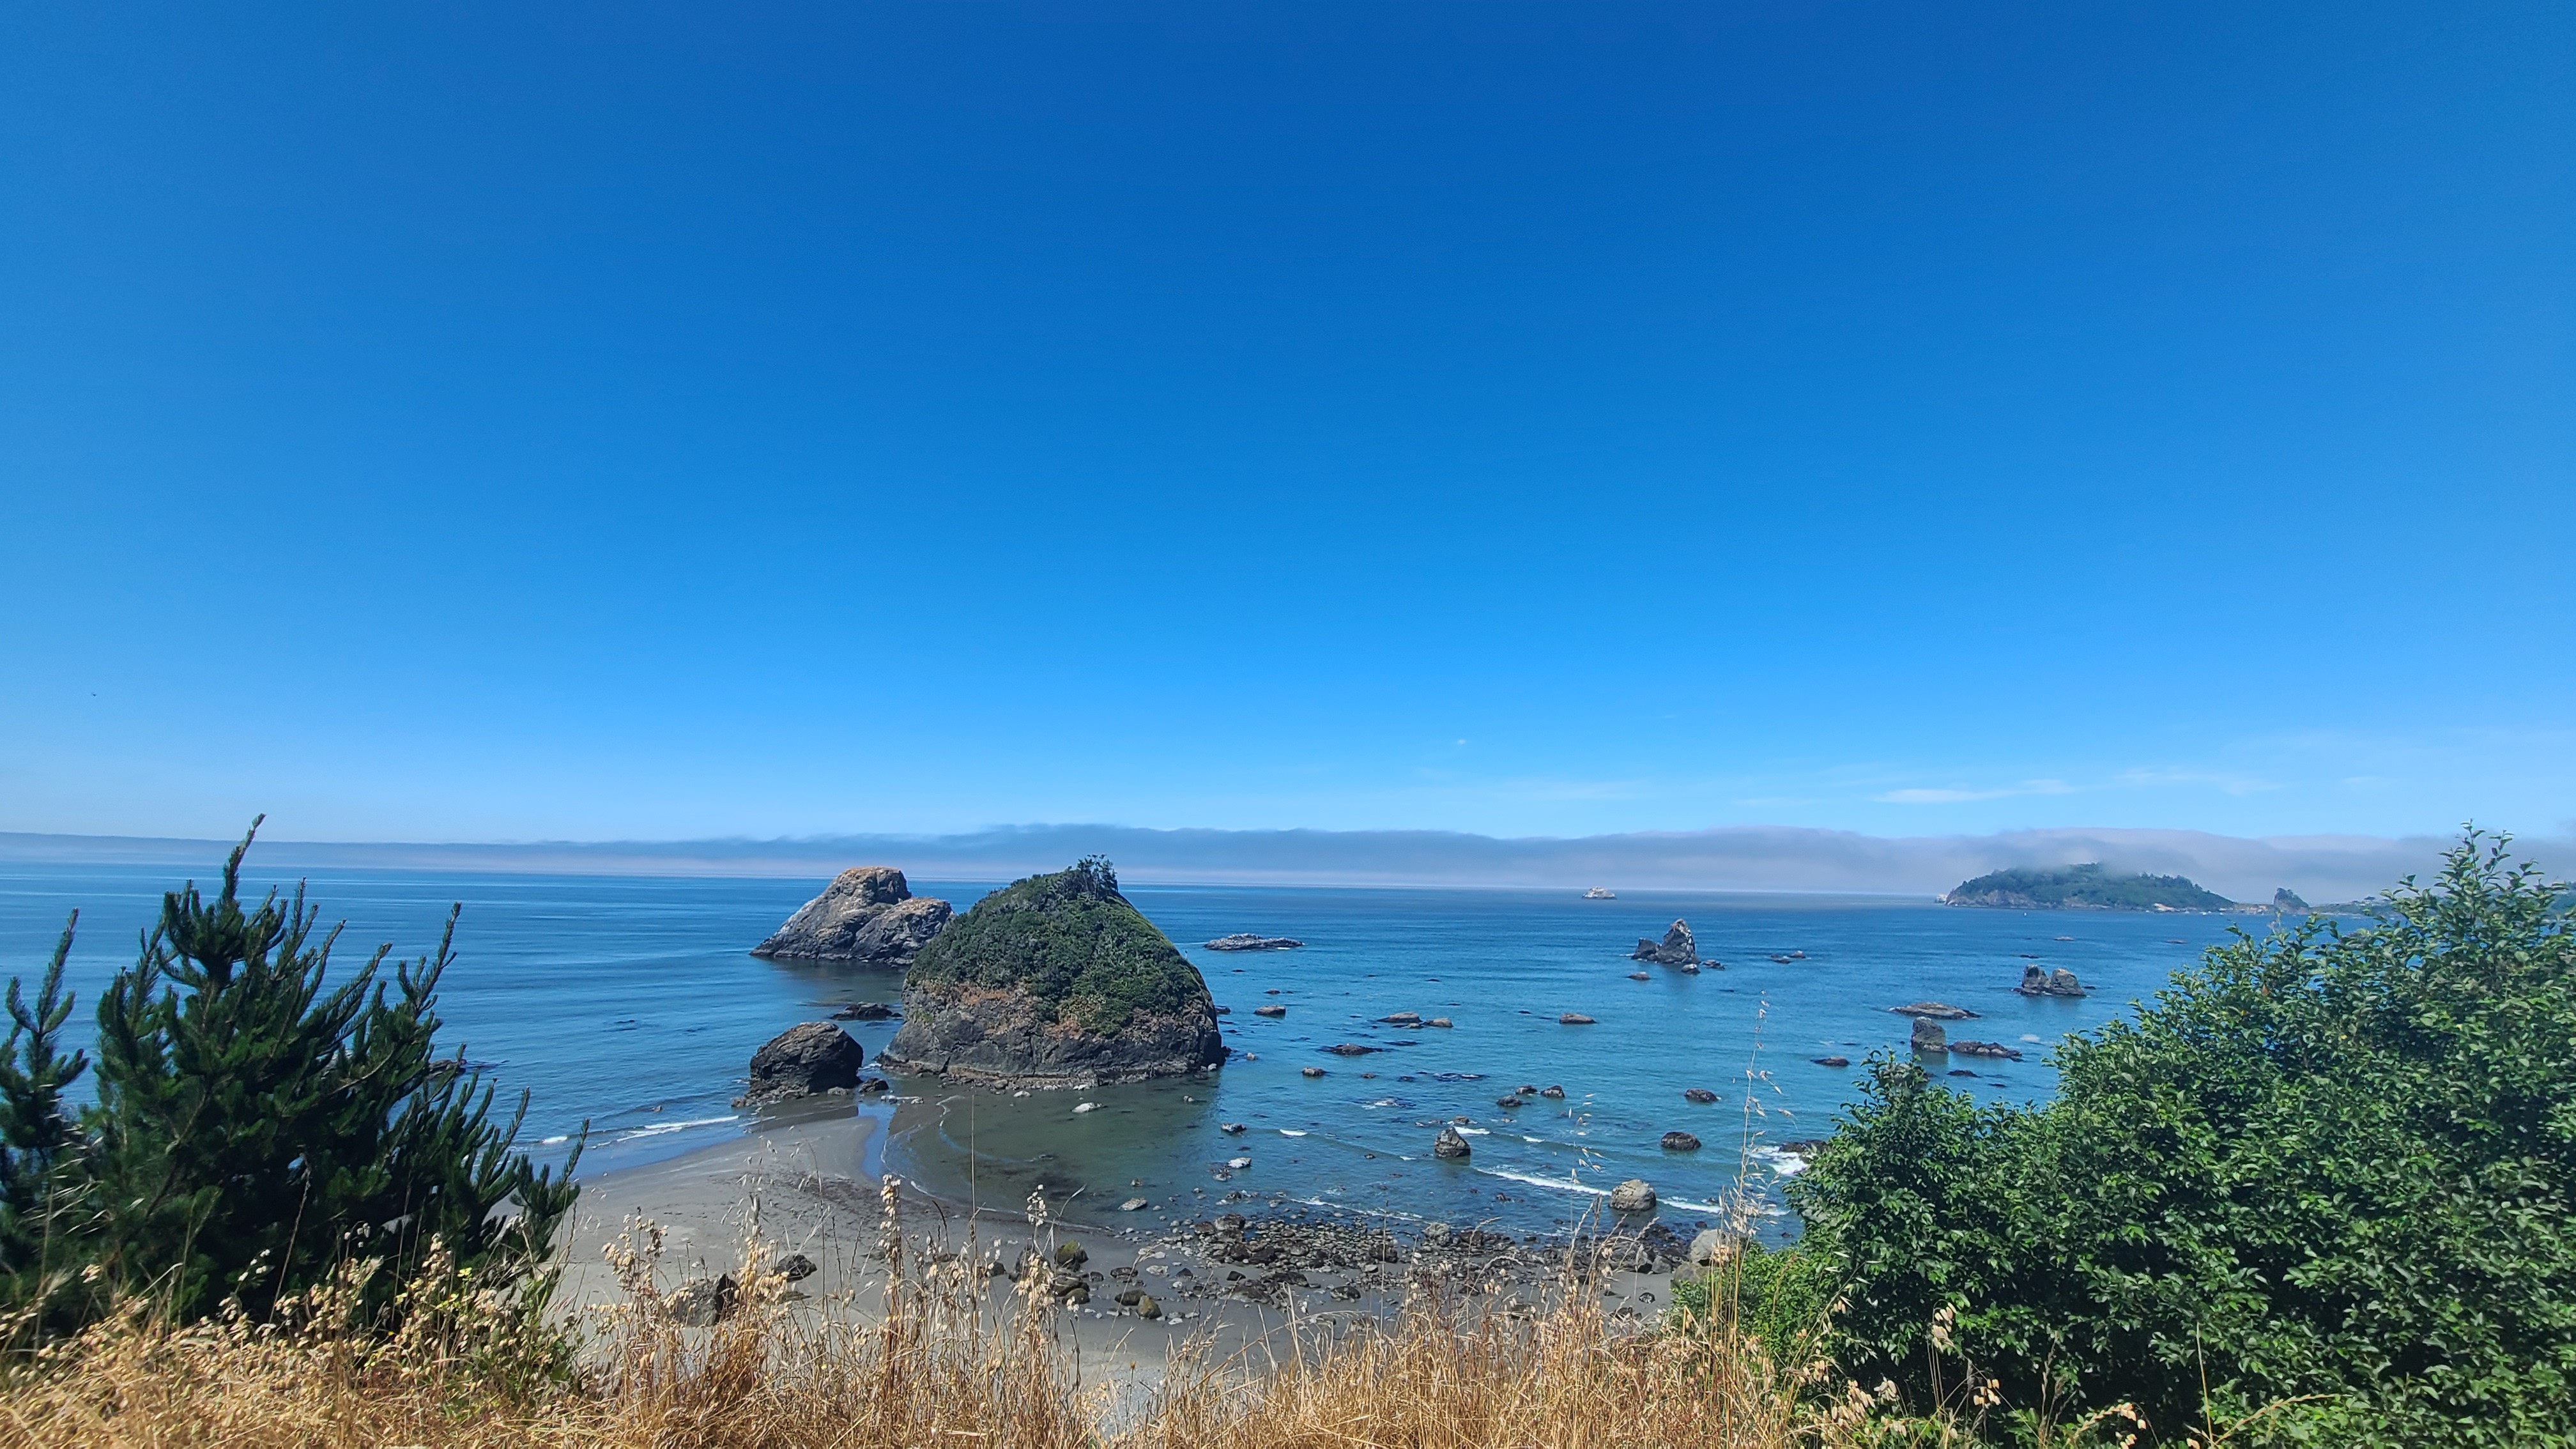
x=867 y=915
x=1055 y=981
x=1676 y=949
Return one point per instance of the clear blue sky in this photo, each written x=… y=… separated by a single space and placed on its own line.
x=645 y=420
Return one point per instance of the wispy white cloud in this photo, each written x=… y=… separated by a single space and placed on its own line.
x=1944 y=796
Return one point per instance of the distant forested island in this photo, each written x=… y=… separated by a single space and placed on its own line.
x=2084 y=888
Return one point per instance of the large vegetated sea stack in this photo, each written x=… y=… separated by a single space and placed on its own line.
x=1055 y=981
x=867 y=915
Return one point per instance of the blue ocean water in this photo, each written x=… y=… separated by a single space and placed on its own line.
x=631 y=1004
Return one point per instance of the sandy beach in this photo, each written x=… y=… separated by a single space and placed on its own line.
x=812 y=1187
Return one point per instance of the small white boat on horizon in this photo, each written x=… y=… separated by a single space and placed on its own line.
x=1599 y=894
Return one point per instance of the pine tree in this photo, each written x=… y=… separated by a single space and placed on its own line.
x=34 y=1131
x=256 y=1126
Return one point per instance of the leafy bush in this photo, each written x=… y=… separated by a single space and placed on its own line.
x=1073 y=943
x=253 y=1131
x=2328 y=1168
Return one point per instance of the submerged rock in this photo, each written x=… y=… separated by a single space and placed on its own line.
x=868 y=915
x=1055 y=980
x=802 y=1061
x=1938 y=1011
x=1676 y=949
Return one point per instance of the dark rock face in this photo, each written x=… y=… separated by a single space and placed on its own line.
x=1701 y=1095
x=1246 y=941
x=867 y=915
x=1680 y=1142
x=1055 y=981
x=1986 y=1049
x=1928 y=1036
x=702 y=1302
x=802 y=1061
x=1450 y=1143
x=1676 y=949
x=2060 y=982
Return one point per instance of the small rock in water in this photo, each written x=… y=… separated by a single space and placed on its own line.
x=1639 y=976
x=1929 y=1037
x=1680 y=1142
x=1134 y=1205
x=1273 y=1009
x=1087 y=1107
x=1552 y=1093
x=1575 y=1018
x=1233 y=1129
x=1636 y=1195
x=864 y=1011
x=1402 y=1018
x=1310 y=1071
x=1449 y=1144
x=1146 y=1307
x=1351 y=1049
x=1438 y=1021
x=1938 y=1011
x=1507 y=1102
x=1833 y=1061
x=1701 y=1095
x=1238 y=1164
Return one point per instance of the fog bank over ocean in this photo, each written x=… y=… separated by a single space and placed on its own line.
x=1737 y=858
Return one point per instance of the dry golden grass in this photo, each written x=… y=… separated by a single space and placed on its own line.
x=937 y=1365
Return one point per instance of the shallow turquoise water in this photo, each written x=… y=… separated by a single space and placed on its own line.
x=630 y=1003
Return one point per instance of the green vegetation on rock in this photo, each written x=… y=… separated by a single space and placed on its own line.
x=1073 y=945
x=2329 y=1176
x=2084 y=887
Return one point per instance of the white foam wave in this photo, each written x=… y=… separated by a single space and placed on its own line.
x=1474 y=1132
x=1553 y=1184
x=1290 y=1132
x=664 y=1129
x=557 y=1140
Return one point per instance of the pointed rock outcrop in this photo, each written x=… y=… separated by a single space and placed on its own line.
x=867 y=916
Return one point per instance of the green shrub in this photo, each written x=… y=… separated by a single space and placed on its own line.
x=2322 y=1167
x=1779 y=1296
x=254 y=1129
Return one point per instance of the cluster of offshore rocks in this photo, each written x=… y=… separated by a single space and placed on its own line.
x=1676 y=949
x=1052 y=981
x=1932 y=1039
